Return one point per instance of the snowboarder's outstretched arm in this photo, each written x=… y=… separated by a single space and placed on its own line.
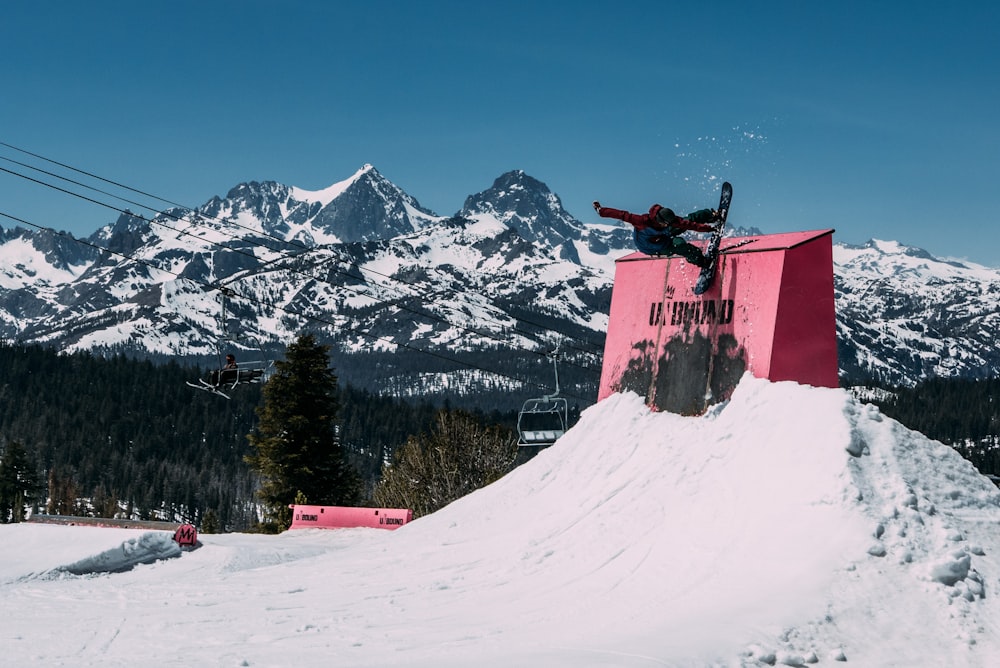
x=698 y=221
x=640 y=220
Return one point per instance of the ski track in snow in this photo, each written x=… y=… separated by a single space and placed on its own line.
x=789 y=526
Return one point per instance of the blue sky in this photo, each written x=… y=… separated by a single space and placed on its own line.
x=878 y=119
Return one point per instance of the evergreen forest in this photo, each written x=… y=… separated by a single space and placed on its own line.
x=87 y=435
x=100 y=437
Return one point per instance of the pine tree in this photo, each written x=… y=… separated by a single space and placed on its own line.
x=296 y=445
x=18 y=483
x=210 y=522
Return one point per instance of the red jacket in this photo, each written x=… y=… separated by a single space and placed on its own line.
x=643 y=220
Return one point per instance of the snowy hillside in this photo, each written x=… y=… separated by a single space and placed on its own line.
x=790 y=526
x=904 y=315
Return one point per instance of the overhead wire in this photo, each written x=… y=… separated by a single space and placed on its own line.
x=290 y=242
x=396 y=303
x=261 y=302
x=292 y=269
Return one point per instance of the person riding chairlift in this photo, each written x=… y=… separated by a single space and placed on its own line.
x=229 y=373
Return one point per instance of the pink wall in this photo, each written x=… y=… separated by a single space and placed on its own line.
x=341 y=517
x=769 y=312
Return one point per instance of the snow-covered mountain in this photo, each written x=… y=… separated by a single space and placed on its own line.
x=412 y=301
x=417 y=303
x=364 y=207
x=905 y=315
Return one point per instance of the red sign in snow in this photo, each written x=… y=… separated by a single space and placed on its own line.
x=186 y=535
x=343 y=517
x=770 y=311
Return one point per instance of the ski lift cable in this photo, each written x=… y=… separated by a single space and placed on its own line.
x=92 y=175
x=431 y=296
x=197 y=215
x=278 y=307
x=290 y=311
x=423 y=314
x=300 y=246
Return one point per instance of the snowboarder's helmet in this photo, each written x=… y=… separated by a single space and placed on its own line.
x=666 y=216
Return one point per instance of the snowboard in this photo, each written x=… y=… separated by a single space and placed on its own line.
x=707 y=274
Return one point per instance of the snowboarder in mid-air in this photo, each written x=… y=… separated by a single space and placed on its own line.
x=658 y=232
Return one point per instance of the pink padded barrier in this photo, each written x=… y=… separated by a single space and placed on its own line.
x=342 y=517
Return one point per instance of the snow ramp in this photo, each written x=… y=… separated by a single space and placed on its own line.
x=752 y=535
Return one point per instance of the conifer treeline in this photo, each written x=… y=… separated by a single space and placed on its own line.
x=962 y=413
x=102 y=434
x=108 y=433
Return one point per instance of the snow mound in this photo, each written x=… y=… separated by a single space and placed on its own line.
x=147 y=548
x=789 y=526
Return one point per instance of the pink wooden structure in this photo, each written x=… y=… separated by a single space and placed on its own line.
x=769 y=312
x=342 y=517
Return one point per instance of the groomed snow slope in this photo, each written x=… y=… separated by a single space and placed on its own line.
x=790 y=526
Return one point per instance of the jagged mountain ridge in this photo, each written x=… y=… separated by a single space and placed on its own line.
x=366 y=266
x=361 y=262
x=364 y=207
x=904 y=315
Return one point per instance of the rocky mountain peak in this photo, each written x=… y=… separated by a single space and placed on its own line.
x=527 y=206
x=366 y=207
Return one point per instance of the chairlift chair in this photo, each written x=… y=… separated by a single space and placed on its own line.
x=224 y=379
x=542 y=421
